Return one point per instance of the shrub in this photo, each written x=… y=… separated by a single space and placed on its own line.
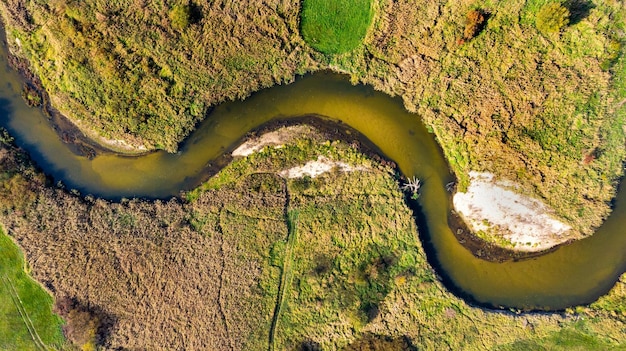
x=31 y=96
x=180 y=16
x=552 y=18
x=474 y=23
x=82 y=325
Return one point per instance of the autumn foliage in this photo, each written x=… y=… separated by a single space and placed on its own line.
x=474 y=23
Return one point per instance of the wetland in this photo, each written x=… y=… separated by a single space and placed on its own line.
x=199 y=248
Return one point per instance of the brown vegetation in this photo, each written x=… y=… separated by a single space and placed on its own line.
x=163 y=275
x=164 y=284
x=474 y=23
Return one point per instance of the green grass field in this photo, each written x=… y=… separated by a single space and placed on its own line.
x=26 y=318
x=335 y=26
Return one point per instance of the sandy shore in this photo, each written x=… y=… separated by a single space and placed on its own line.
x=494 y=207
x=320 y=166
x=284 y=135
x=274 y=138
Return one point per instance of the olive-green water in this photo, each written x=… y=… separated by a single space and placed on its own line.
x=571 y=275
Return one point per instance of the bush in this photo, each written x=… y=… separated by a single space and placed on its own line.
x=474 y=23
x=81 y=324
x=180 y=17
x=552 y=18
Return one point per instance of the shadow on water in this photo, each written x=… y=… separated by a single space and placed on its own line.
x=52 y=172
x=431 y=253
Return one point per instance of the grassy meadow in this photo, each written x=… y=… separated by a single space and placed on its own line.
x=27 y=321
x=335 y=27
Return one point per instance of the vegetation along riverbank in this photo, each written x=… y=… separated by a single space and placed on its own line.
x=530 y=96
x=539 y=107
x=206 y=272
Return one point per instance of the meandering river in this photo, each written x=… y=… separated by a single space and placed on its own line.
x=575 y=274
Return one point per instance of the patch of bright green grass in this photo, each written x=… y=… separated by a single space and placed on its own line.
x=335 y=26
x=26 y=318
x=574 y=337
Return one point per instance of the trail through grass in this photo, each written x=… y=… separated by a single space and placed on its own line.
x=26 y=318
x=335 y=26
x=287 y=274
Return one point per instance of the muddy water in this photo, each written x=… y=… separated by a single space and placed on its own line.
x=571 y=275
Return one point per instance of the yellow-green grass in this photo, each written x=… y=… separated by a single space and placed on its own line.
x=357 y=267
x=148 y=74
x=335 y=26
x=26 y=318
x=543 y=110
x=576 y=336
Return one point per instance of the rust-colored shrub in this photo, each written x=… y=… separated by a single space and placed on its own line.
x=474 y=23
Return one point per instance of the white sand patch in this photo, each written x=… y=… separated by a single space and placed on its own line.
x=491 y=206
x=320 y=166
x=120 y=144
x=276 y=138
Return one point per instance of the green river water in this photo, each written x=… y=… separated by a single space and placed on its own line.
x=575 y=274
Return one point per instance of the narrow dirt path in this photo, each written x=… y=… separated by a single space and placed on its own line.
x=291 y=218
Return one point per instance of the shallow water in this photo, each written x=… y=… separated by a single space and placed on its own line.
x=575 y=274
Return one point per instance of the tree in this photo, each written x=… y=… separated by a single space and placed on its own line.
x=81 y=324
x=552 y=18
x=179 y=16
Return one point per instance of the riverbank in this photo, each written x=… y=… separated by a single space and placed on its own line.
x=159 y=79
x=557 y=132
x=498 y=213
x=511 y=227
x=387 y=306
x=358 y=267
